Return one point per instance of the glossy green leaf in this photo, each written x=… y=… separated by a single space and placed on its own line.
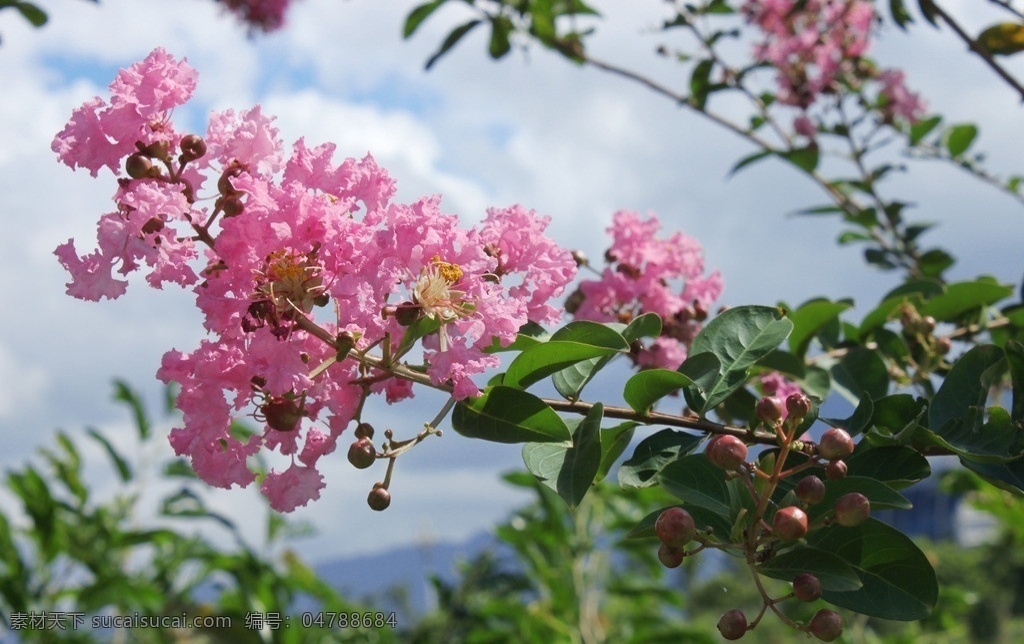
x=542 y=360
x=696 y=482
x=569 y=471
x=649 y=386
x=653 y=454
x=810 y=318
x=934 y=262
x=957 y=412
x=647 y=325
x=895 y=466
x=739 y=337
x=898 y=581
x=571 y=380
x=507 y=415
x=1006 y=476
x=962 y=297
x=749 y=160
x=1015 y=360
x=881 y=495
x=614 y=441
x=861 y=372
x=833 y=572
x=859 y=420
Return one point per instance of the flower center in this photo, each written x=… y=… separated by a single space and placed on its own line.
x=434 y=292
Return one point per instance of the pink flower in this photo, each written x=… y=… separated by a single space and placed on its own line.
x=900 y=102
x=265 y=15
x=100 y=135
x=649 y=274
x=292 y=488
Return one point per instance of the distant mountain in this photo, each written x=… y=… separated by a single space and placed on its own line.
x=399 y=579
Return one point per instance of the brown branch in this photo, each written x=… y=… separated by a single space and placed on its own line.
x=973 y=45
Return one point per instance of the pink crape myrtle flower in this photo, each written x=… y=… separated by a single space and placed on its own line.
x=899 y=101
x=648 y=274
x=301 y=267
x=775 y=384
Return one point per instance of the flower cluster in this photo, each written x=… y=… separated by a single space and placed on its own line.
x=265 y=15
x=646 y=274
x=816 y=46
x=306 y=267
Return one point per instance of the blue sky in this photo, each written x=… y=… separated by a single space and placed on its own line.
x=569 y=142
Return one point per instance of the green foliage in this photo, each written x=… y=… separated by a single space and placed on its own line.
x=65 y=549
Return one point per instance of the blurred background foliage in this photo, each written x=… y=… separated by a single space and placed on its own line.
x=552 y=574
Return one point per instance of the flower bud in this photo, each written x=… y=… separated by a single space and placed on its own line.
x=282 y=413
x=407 y=312
x=138 y=166
x=852 y=509
x=379 y=498
x=670 y=556
x=726 y=452
x=232 y=205
x=192 y=147
x=798 y=405
x=364 y=430
x=835 y=444
x=810 y=490
x=732 y=624
x=675 y=527
x=769 y=409
x=943 y=346
x=790 y=523
x=806 y=587
x=836 y=470
x=362 y=454
x=826 y=625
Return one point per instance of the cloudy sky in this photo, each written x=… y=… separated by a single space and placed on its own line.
x=571 y=143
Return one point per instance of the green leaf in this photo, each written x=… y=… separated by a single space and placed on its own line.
x=124 y=471
x=962 y=297
x=418 y=15
x=804 y=158
x=1002 y=39
x=422 y=327
x=653 y=454
x=647 y=325
x=614 y=441
x=646 y=388
x=881 y=495
x=898 y=581
x=540 y=361
x=569 y=471
x=715 y=502
x=922 y=128
x=1015 y=360
x=499 y=44
x=832 y=571
x=861 y=371
x=571 y=380
x=960 y=137
x=896 y=466
x=507 y=415
x=934 y=262
x=739 y=337
x=700 y=83
x=124 y=393
x=859 y=421
x=900 y=15
x=809 y=319
x=749 y=160
x=454 y=37
x=32 y=13
x=957 y=412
